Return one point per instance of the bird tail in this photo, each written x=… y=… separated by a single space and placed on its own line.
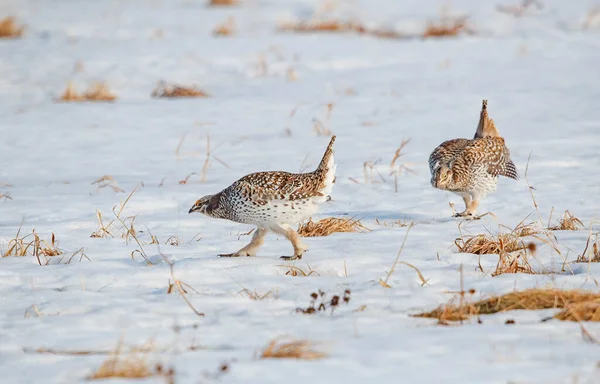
x=326 y=169
x=486 y=126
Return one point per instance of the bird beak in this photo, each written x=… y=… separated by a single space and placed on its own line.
x=192 y=209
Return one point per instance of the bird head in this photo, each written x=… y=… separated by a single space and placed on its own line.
x=442 y=178
x=206 y=205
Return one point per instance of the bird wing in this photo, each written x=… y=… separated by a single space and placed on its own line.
x=268 y=187
x=493 y=152
x=446 y=153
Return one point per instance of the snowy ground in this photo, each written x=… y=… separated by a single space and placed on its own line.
x=540 y=73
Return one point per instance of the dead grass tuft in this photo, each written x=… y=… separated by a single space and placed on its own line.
x=37 y=247
x=123 y=367
x=567 y=223
x=327 y=226
x=176 y=91
x=132 y=366
x=338 y=26
x=9 y=28
x=223 y=3
x=445 y=27
x=484 y=244
x=516 y=262
x=590 y=255
x=227 y=28
x=297 y=271
x=318 y=26
x=584 y=311
x=70 y=94
x=294 y=349
x=97 y=92
x=578 y=305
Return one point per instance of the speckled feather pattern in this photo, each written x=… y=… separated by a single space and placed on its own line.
x=475 y=164
x=270 y=199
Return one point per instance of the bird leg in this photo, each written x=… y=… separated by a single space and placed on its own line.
x=470 y=208
x=294 y=238
x=258 y=238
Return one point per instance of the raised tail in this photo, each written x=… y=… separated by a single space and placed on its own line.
x=326 y=170
x=486 y=126
x=327 y=159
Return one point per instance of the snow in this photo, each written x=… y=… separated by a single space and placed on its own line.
x=539 y=73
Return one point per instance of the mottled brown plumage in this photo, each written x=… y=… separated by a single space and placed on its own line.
x=470 y=168
x=273 y=201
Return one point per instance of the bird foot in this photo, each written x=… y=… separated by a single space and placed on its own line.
x=290 y=258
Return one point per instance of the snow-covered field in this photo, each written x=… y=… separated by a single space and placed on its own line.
x=540 y=73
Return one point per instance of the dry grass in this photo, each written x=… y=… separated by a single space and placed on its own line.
x=393 y=223
x=227 y=28
x=396 y=167
x=107 y=181
x=9 y=28
x=123 y=367
x=484 y=244
x=294 y=349
x=514 y=251
x=517 y=262
x=254 y=295
x=319 y=26
x=173 y=241
x=71 y=94
x=180 y=286
x=97 y=92
x=338 y=26
x=445 y=27
x=33 y=245
x=133 y=366
x=176 y=91
x=108 y=228
x=576 y=304
x=567 y=223
x=384 y=282
x=590 y=255
x=223 y=3
x=297 y=271
x=327 y=226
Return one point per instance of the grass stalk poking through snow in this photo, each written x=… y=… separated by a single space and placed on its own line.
x=384 y=282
